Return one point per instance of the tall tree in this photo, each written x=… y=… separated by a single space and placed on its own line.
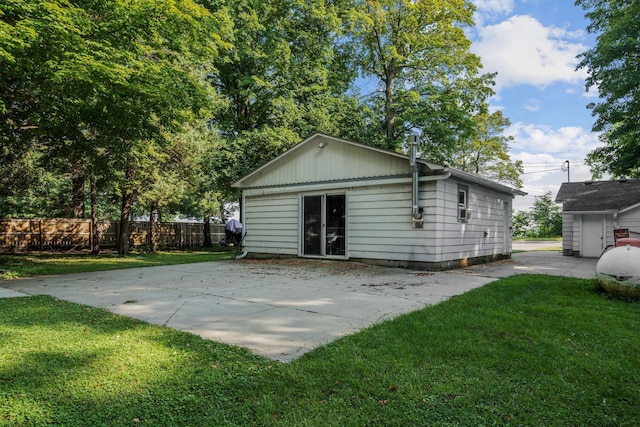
x=547 y=216
x=101 y=79
x=485 y=152
x=201 y=197
x=418 y=51
x=169 y=180
x=282 y=80
x=45 y=196
x=521 y=224
x=613 y=65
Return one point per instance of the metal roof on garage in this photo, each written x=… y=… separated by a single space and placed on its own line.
x=325 y=159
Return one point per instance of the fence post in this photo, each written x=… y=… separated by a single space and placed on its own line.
x=91 y=235
x=40 y=234
x=117 y=234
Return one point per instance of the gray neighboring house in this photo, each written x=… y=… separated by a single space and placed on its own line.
x=328 y=198
x=594 y=212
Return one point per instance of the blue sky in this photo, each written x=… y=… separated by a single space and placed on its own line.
x=532 y=45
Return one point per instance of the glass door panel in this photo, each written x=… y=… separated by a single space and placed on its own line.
x=335 y=225
x=312 y=227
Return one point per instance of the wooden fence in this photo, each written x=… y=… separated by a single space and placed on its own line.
x=41 y=234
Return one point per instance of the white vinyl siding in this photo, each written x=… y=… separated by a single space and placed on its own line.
x=609 y=239
x=459 y=240
x=577 y=225
x=631 y=220
x=567 y=233
x=271 y=224
x=380 y=224
x=333 y=162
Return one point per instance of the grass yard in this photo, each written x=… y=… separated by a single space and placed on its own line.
x=536 y=239
x=527 y=350
x=13 y=266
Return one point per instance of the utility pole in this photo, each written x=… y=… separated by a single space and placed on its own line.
x=565 y=167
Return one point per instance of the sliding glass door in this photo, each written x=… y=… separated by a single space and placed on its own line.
x=312 y=227
x=324 y=225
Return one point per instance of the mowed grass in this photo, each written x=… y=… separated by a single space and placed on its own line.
x=555 y=244
x=13 y=266
x=526 y=350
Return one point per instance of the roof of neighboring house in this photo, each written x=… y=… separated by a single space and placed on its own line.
x=592 y=196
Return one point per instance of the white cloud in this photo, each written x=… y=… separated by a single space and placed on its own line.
x=532 y=105
x=543 y=170
x=571 y=141
x=527 y=53
x=494 y=6
x=592 y=93
x=523 y=51
x=487 y=9
x=546 y=176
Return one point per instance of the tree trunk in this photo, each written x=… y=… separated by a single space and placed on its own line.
x=389 y=110
x=207 y=232
x=125 y=213
x=77 y=183
x=95 y=238
x=153 y=218
x=223 y=214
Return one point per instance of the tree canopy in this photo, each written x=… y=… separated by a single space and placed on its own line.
x=283 y=78
x=421 y=57
x=162 y=105
x=484 y=150
x=547 y=215
x=613 y=65
x=543 y=219
x=97 y=86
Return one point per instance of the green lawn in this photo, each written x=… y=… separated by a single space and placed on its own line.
x=527 y=350
x=537 y=239
x=13 y=266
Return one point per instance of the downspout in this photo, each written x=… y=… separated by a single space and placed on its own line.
x=416 y=215
x=242 y=220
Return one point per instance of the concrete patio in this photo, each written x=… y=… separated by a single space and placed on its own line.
x=280 y=309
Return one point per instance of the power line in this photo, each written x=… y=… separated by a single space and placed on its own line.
x=546 y=170
x=541 y=165
x=533 y=165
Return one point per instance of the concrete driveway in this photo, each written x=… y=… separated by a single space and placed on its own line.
x=279 y=309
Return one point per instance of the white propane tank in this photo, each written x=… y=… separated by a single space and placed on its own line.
x=618 y=271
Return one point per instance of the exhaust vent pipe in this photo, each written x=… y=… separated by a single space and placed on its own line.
x=416 y=211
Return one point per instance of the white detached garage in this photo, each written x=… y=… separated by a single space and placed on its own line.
x=594 y=213
x=335 y=199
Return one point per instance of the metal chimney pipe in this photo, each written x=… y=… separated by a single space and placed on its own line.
x=414 y=141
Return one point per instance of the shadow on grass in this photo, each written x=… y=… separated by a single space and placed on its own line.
x=53 y=263
x=527 y=350
x=68 y=364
